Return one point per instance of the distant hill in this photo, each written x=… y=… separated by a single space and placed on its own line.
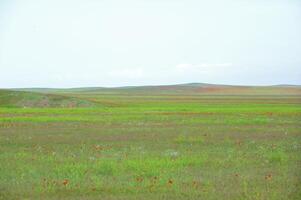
x=195 y=89
x=184 y=89
x=9 y=98
x=284 y=85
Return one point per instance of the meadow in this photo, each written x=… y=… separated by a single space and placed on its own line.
x=154 y=145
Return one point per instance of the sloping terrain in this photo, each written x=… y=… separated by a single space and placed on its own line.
x=10 y=98
x=189 y=88
x=196 y=89
x=213 y=89
x=94 y=96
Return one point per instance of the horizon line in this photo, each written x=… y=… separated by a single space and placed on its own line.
x=155 y=85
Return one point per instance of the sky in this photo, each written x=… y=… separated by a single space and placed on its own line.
x=83 y=43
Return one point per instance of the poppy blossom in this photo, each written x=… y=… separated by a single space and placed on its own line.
x=66 y=182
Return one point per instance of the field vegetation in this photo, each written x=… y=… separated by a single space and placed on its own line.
x=171 y=142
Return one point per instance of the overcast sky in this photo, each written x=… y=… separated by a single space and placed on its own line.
x=78 y=43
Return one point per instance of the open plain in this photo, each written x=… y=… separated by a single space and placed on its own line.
x=192 y=141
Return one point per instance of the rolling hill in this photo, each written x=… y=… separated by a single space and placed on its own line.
x=192 y=89
x=189 y=88
x=96 y=96
x=9 y=98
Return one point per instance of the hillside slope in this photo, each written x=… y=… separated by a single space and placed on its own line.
x=188 y=88
x=10 y=98
x=192 y=89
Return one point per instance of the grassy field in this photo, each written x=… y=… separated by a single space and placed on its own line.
x=153 y=143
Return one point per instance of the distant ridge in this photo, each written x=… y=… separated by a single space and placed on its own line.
x=194 y=84
x=84 y=96
x=285 y=85
x=9 y=98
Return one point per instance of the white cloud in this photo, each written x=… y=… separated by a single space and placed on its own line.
x=127 y=73
x=202 y=66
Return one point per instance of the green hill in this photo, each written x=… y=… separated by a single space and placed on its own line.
x=191 y=89
x=96 y=96
x=9 y=98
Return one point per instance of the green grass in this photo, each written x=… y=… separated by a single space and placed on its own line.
x=163 y=147
x=25 y=99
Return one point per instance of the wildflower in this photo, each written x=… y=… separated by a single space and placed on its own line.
x=154 y=180
x=268 y=177
x=194 y=184
x=92 y=158
x=65 y=182
x=139 y=179
x=98 y=147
